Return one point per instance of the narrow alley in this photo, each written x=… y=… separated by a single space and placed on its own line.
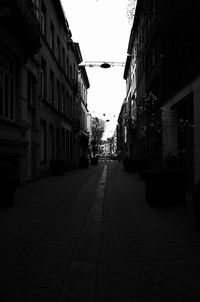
x=89 y=235
x=99 y=151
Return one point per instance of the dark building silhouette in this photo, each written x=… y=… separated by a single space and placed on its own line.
x=162 y=72
x=39 y=102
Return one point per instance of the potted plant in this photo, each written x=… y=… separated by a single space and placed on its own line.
x=164 y=179
x=94 y=160
x=167 y=185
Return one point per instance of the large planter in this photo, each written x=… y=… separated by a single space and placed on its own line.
x=130 y=164
x=143 y=166
x=57 y=167
x=94 y=161
x=83 y=162
x=196 y=204
x=165 y=187
x=9 y=181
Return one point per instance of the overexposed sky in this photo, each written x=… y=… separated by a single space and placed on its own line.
x=102 y=30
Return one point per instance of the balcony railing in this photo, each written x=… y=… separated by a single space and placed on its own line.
x=23 y=17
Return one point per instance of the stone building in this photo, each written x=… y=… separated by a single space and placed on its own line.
x=83 y=86
x=164 y=47
x=19 y=40
x=122 y=147
x=89 y=129
x=130 y=108
x=39 y=111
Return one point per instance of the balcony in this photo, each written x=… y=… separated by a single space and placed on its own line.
x=21 y=19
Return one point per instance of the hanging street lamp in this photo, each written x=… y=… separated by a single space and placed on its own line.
x=102 y=64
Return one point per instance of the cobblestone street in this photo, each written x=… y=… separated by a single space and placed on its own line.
x=146 y=254
x=90 y=236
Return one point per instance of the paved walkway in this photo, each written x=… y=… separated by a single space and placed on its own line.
x=146 y=254
x=90 y=236
x=39 y=235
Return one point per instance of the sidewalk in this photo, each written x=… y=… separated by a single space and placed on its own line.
x=40 y=233
x=90 y=236
x=146 y=254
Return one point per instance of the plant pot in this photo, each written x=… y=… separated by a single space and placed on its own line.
x=165 y=187
x=9 y=181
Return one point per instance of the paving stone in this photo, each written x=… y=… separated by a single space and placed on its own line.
x=142 y=253
x=151 y=254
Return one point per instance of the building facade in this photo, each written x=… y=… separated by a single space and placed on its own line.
x=165 y=51
x=17 y=17
x=89 y=130
x=122 y=148
x=83 y=86
x=39 y=110
x=129 y=111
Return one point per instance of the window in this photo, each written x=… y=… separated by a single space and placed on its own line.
x=2 y=88
x=58 y=142
x=70 y=107
x=36 y=8
x=51 y=88
x=43 y=19
x=42 y=142
x=51 y=36
x=67 y=103
x=70 y=72
x=31 y=89
x=51 y=142
x=67 y=67
x=58 y=49
x=63 y=100
x=67 y=145
x=6 y=87
x=74 y=72
x=43 y=79
x=62 y=143
x=73 y=108
x=71 y=146
x=63 y=58
x=58 y=96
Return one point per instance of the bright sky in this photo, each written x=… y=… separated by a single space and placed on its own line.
x=102 y=30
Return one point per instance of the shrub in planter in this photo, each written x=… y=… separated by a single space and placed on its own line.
x=165 y=187
x=9 y=181
x=94 y=160
x=171 y=162
x=57 y=167
x=196 y=204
